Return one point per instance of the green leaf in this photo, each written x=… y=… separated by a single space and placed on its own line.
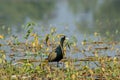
x=1 y=60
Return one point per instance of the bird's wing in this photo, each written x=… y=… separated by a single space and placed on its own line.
x=52 y=56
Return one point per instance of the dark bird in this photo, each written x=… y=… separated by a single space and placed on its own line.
x=57 y=55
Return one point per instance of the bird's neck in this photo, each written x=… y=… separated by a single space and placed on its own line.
x=61 y=43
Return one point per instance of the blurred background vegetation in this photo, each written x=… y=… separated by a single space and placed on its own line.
x=85 y=16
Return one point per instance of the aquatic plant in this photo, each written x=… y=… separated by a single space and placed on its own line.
x=93 y=58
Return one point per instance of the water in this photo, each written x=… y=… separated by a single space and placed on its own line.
x=79 y=16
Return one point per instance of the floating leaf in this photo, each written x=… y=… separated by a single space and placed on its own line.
x=3 y=56
x=83 y=42
x=96 y=34
x=73 y=76
x=1 y=36
x=1 y=60
x=66 y=64
x=91 y=71
x=103 y=69
x=53 y=30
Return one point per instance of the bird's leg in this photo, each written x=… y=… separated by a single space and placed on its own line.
x=57 y=64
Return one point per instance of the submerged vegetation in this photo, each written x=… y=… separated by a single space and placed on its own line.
x=93 y=58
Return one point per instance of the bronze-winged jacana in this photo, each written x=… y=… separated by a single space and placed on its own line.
x=57 y=55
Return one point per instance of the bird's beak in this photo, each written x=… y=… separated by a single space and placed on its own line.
x=67 y=38
x=67 y=44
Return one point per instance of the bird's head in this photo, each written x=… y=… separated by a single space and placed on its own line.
x=64 y=38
